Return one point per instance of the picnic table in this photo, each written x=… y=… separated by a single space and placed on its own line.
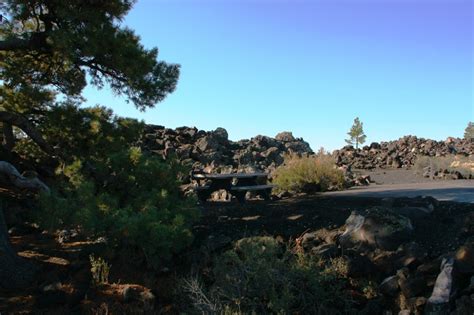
x=237 y=184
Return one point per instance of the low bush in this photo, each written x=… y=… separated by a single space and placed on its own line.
x=99 y=269
x=309 y=174
x=451 y=163
x=261 y=276
x=130 y=198
x=110 y=188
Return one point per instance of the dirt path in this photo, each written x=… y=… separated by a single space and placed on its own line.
x=447 y=190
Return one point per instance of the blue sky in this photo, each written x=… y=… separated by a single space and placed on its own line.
x=310 y=67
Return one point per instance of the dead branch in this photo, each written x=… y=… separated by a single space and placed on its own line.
x=21 y=181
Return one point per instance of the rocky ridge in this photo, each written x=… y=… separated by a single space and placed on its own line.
x=213 y=150
x=401 y=153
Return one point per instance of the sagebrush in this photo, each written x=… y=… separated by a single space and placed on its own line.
x=309 y=174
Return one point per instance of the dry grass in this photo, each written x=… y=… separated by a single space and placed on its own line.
x=461 y=164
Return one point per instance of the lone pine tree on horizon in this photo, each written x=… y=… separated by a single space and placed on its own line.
x=356 y=133
x=469 y=131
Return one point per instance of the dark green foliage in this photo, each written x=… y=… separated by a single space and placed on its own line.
x=261 y=276
x=104 y=184
x=469 y=131
x=51 y=47
x=25 y=99
x=108 y=187
x=56 y=43
x=79 y=133
x=356 y=134
x=128 y=197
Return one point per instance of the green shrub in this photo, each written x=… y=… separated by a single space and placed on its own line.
x=261 y=276
x=82 y=133
x=99 y=269
x=108 y=187
x=308 y=174
x=130 y=198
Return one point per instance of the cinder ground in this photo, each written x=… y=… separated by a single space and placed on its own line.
x=220 y=224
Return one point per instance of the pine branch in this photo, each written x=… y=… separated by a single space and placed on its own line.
x=25 y=125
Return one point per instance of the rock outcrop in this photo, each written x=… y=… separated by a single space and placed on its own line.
x=376 y=228
x=214 y=151
x=378 y=243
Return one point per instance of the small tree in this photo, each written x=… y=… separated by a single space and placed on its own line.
x=356 y=133
x=469 y=131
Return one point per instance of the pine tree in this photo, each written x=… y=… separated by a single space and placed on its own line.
x=57 y=47
x=469 y=131
x=356 y=133
x=54 y=47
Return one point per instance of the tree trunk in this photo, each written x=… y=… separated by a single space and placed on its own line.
x=25 y=125
x=8 y=137
x=21 y=181
x=15 y=271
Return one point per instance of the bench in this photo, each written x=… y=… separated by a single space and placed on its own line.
x=203 y=192
x=237 y=184
x=240 y=191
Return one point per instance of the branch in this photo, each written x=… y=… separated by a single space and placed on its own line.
x=37 y=41
x=14 y=44
x=25 y=125
x=94 y=66
x=19 y=180
x=8 y=138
